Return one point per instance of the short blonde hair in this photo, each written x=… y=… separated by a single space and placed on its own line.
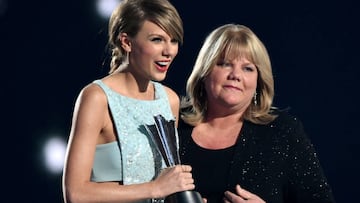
x=230 y=40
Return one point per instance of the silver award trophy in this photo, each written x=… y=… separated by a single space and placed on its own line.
x=164 y=137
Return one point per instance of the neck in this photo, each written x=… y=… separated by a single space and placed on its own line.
x=223 y=120
x=134 y=87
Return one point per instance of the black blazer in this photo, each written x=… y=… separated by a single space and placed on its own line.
x=276 y=161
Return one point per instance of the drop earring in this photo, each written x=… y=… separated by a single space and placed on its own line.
x=126 y=60
x=255 y=98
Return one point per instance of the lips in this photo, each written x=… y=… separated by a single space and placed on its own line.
x=232 y=87
x=162 y=66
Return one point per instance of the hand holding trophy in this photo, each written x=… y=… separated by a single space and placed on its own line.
x=163 y=134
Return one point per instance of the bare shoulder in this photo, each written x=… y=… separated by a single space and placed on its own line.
x=174 y=101
x=173 y=96
x=92 y=94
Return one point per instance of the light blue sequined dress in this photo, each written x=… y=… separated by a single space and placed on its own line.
x=134 y=158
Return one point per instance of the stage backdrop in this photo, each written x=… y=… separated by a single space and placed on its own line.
x=50 y=50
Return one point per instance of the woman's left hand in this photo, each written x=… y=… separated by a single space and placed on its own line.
x=241 y=195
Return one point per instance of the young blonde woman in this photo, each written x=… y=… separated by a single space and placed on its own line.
x=110 y=157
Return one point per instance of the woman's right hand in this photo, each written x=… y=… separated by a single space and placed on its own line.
x=173 y=179
x=241 y=195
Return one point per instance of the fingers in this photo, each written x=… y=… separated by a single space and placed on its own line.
x=184 y=176
x=231 y=197
x=186 y=168
x=241 y=195
x=189 y=181
x=175 y=179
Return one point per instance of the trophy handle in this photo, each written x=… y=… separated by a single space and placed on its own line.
x=165 y=137
x=188 y=196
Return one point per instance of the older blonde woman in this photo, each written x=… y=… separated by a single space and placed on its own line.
x=240 y=147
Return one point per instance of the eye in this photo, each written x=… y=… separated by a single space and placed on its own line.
x=174 y=41
x=249 y=68
x=156 y=39
x=223 y=64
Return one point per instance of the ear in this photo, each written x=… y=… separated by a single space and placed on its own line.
x=125 y=42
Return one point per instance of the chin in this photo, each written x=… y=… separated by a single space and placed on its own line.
x=159 y=78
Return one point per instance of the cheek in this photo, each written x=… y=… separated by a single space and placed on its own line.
x=212 y=79
x=143 y=50
x=213 y=85
x=253 y=83
x=250 y=83
x=146 y=52
x=251 y=80
x=175 y=52
x=217 y=76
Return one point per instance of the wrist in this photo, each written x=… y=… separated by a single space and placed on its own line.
x=155 y=192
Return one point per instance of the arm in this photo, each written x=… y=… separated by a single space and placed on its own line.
x=90 y=122
x=307 y=180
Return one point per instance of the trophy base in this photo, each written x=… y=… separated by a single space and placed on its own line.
x=184 y=197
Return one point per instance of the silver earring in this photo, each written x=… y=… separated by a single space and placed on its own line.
x=255 y=99
x=126 y=61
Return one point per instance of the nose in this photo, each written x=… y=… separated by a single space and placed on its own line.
x=235 y=74
x=170 y=49
x=234 y=77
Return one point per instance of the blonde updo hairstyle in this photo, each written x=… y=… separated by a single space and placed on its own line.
x=130 y=15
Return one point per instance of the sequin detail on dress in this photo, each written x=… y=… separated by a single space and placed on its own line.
x=140 y=160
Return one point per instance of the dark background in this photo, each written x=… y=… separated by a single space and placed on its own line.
x=50 y=50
